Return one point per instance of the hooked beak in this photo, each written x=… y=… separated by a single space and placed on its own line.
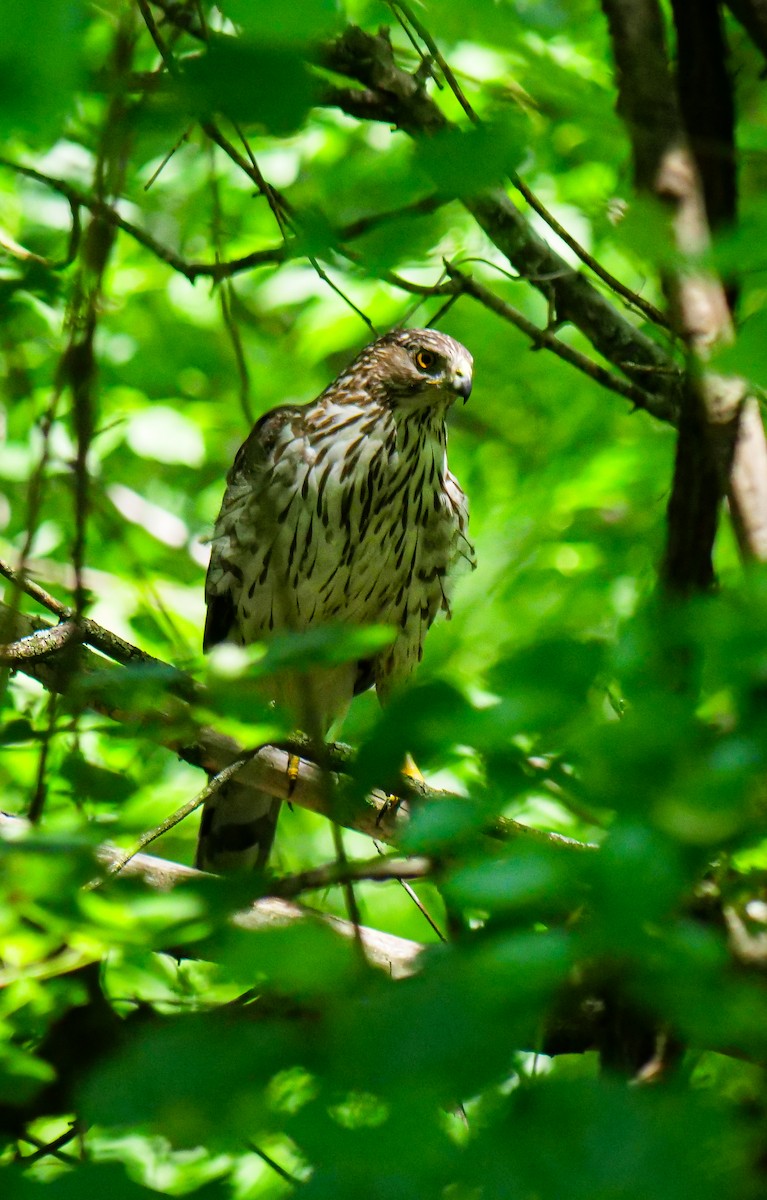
x=460 y=379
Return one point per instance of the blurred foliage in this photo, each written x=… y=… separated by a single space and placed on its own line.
x=147 y=1044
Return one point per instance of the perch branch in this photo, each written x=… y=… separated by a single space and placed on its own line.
x=325 y=792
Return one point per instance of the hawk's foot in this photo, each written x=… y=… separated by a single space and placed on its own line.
x=411 y=774
x=294 y=767
x=388 y=808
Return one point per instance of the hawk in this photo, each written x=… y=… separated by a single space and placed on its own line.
x=339 y=511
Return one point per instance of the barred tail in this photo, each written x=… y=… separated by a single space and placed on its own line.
x=237 y=829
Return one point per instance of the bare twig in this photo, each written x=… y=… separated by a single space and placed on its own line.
x=337 y=873
x=648 y=310
x=461 y=284
x=37 y=801
x=275 y=1166
x=638 y=396
x=437 y=55
x=95 y=635
x=631 y=297
x=214 y=785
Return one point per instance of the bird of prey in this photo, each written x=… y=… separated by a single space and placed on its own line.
x=340 y=511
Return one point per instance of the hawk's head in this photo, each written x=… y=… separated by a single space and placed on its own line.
x=418 y=367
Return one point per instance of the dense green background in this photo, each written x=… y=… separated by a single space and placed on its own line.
x=563 y=692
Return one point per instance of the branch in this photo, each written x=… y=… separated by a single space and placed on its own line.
x=392 y=95
x=320 y=790
x=706 y=103
x=93 y=634
x=398 y=956
x=40 y=645
x=190 y=270
x=376 y=870
x=582 y=1017
x=632 y=298
x=548 y=339
x=460 y=284
x=649 y=310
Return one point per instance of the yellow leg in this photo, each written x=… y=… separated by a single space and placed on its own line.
x=294 y=767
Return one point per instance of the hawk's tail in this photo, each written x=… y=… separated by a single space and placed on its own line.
x=237 y=829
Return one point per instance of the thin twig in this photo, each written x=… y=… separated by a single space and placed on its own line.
x=52 y=1149
x=342 y=872
x=644 y=306
x=394 y=96
x=438 y=57
x=213 y=786
x=544 y=337
x=166 y=159
x=165 y=54
x=226 y=292
x=98 y=637
x=282 y=211
x=416 y=899
x=541 y=338
x=632 y=298
x=275 y=1166
x=425 y=63
x=37 y=802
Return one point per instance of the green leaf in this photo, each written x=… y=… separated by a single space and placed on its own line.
x=88 y=781
x=38 y=74
x=300 y=22
x=464 y=162
x=264 y=85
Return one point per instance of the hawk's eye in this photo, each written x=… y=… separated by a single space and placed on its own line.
x=425 y=359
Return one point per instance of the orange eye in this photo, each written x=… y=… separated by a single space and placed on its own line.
x=425 y=359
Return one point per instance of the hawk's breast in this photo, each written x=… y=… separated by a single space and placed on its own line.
x=353 y=519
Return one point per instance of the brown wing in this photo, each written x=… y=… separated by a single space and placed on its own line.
x=251 y=500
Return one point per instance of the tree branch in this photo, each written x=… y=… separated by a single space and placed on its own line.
x=706 y=103
x=392 y=95
x=548 y=339
x=41 y=644
x=580 y=1019
x=376 y=870
x=92 y=633
x=318 y=789
x=397 y=956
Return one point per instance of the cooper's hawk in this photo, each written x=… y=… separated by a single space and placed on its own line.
x=344 y=511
